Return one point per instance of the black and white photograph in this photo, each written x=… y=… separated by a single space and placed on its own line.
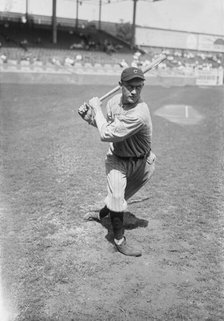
x=111 y=160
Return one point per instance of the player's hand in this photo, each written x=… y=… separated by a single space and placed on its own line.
x=95 y=103
x=87 y=113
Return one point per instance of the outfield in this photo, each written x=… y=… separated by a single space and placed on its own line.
x=55 y=266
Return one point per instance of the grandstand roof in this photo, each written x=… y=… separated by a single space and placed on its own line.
x=205 y=16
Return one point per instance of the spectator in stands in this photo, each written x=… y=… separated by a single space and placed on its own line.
x=69 y=61
x=108 y=47
x=84 y=38
x=145 y=63
x=24 y=44
x=78 y=57
x=123 y=63
x=136 y=60
x=3 y=58
x=91 y=44
x=105 y=44
x=55 y=61
x=118 y=47
x=80 y=45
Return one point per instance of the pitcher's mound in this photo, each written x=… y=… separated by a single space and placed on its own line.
x=181 y=114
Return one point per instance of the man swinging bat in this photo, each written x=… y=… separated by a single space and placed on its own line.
x=129 y=162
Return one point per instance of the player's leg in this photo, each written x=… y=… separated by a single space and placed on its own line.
x=116 y=183
x=139 y=177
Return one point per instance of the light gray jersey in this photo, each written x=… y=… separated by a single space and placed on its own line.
x=128 y=129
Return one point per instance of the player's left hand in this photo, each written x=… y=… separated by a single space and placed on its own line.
x=87 y=113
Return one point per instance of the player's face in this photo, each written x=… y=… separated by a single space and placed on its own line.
x=131 y=90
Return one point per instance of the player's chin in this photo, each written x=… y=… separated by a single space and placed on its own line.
x=131 y=100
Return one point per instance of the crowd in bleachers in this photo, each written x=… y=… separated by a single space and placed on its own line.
x=194 y=60
x=185 y=62
x=76 y=46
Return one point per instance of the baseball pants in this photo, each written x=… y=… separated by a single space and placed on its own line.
x=125 y=178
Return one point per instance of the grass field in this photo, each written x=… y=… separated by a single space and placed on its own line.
x=55 y=266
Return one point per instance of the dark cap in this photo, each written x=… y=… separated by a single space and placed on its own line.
x=132 y=73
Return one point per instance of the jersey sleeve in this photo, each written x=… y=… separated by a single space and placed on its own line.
x=120 y=128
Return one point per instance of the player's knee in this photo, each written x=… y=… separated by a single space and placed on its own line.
x=116 y=203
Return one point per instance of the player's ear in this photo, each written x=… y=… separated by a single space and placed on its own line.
x=120 y=83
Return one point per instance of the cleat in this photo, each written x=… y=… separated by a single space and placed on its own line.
x=128 y=250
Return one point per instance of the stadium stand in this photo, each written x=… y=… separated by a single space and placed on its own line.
x=88 y=48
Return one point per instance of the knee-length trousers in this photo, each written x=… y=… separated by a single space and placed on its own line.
x=125 y=178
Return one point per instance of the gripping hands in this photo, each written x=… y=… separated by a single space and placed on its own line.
x=88 y=110
x=87 y=113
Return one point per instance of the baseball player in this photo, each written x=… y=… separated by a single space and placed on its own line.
x=129 y=162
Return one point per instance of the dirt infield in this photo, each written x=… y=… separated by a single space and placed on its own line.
x=55 y=266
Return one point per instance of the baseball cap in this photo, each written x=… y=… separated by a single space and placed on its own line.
x=132 y=73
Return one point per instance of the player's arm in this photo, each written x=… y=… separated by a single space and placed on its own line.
x=117 y=130
x=120 y=129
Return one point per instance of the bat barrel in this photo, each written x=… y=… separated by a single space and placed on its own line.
x=153 y=64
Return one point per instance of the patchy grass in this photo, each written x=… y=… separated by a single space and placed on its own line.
x=55 y=266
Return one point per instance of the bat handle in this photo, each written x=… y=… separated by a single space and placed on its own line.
x=109 y=93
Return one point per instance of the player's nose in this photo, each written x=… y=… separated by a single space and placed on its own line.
x=133 y=91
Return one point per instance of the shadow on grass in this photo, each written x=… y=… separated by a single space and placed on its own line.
x=131 y=222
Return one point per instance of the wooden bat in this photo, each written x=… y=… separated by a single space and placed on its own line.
x=152 y=65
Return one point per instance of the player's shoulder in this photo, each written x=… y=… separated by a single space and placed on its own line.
x=142 y=111
x=114 y=102
x=115 y=99
x=142 y=107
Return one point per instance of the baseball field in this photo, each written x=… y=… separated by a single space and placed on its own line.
x=57 y=267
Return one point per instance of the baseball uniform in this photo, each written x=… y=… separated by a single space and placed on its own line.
x=129 y=163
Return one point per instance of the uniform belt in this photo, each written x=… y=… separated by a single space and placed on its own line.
x=135 y=158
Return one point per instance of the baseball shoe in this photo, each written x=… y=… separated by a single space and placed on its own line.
x=95 y=215
x=128 y=250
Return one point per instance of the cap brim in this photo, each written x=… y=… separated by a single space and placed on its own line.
x=133 y=77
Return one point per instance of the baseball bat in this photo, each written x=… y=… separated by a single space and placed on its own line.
x=152 y=65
